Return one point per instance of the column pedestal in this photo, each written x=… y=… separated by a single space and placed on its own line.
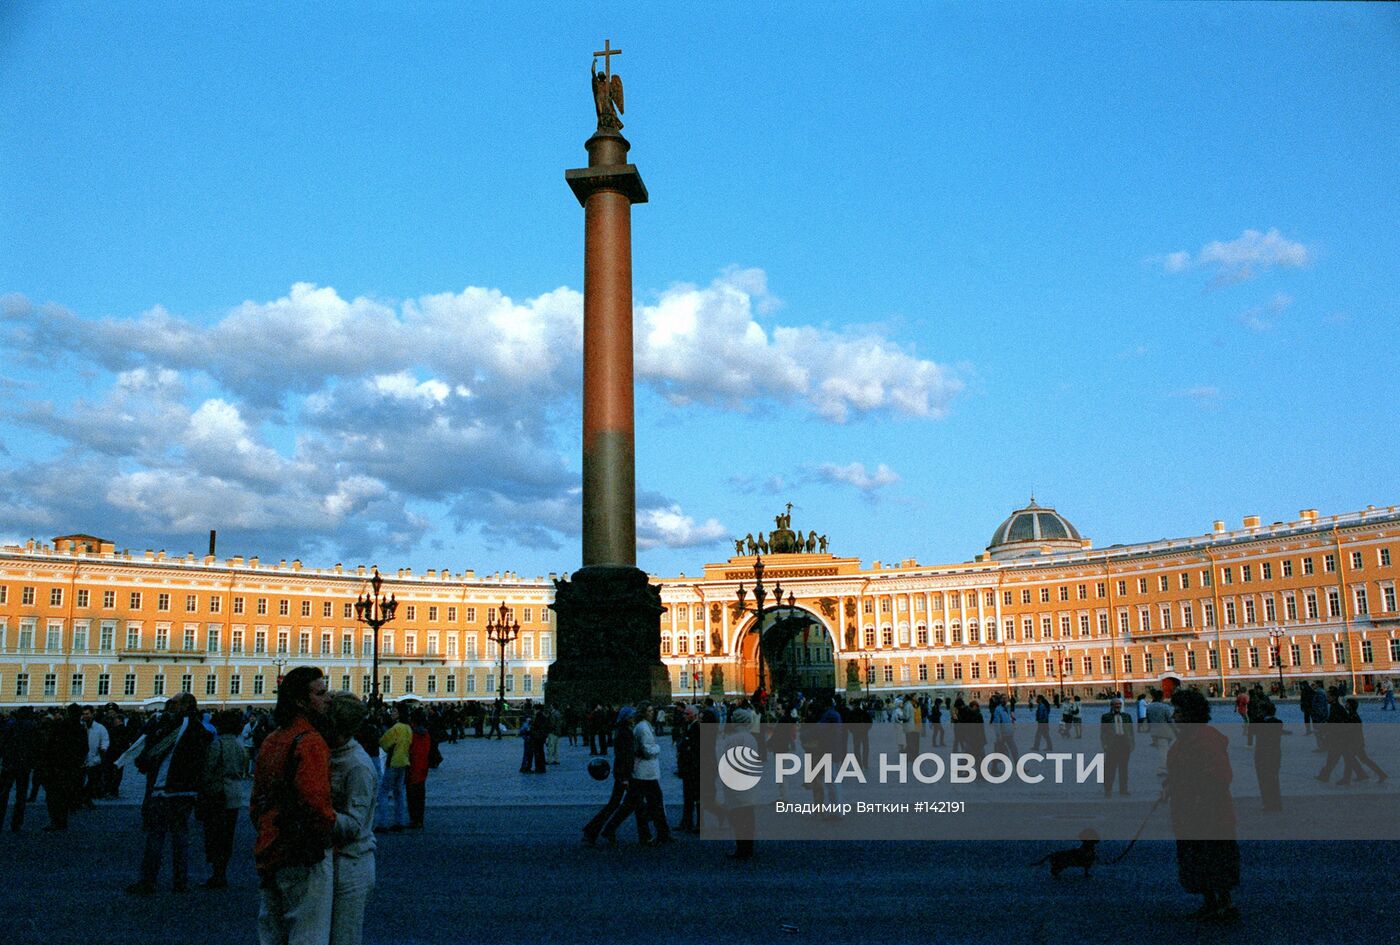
x=608 y=624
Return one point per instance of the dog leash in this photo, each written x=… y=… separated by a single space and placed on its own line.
x=1133 y=842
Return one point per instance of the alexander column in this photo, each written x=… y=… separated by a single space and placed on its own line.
x=608 y=626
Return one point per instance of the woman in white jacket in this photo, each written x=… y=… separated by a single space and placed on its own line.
x=354 y=787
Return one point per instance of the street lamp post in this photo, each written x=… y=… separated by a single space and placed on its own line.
x=760 y=594
x=1276 y=634
x=501 y=629
x=374 y=610
x=867 y=658
x=1059 y=649
x=281 y=664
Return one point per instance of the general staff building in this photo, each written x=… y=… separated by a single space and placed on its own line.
x=1039 y=611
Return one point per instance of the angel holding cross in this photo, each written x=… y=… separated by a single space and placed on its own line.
x=607 y=90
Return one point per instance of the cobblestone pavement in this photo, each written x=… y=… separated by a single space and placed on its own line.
x=500 y=861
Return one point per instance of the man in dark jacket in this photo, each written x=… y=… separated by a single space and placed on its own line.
x=1116 y=735
x=18 y=737
x=173 y=762
x=624 y=758
x=62 y=757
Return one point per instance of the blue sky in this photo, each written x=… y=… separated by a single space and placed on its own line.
x=311 y=277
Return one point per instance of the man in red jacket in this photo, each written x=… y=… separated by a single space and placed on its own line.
x=292 y=812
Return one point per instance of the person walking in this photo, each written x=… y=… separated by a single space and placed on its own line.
x=1117 y=740
x=623 y=762
x=1334 y=740
x=646 y=779
x=173 y=763
x=354 y=786
x=291 y=808
x=221 y=795
x=1388 y=699
x=19 y=736
x=392 y=810
x=1159 y=719
x=1353 y=738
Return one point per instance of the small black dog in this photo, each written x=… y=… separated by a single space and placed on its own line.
x=1083 y=856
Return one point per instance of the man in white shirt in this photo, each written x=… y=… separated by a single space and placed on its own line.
x=98 y=742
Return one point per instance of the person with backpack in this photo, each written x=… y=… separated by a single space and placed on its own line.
x=291 y=809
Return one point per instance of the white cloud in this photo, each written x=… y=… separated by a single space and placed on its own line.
x=1243 y=258
x=315 y=422
x=706 y=345
x=1265 y=317
x=855 y=475
x=668 y=526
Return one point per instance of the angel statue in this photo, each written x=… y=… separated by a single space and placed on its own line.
x=607 y=98
x=738 y=546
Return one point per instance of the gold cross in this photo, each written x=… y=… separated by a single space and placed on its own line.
x=607 y=53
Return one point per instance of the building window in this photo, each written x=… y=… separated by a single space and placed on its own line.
x=1163 y=582
x=238 y=605
x=1064 y=592
x=471 y=615
x=1310 y=605
x=304 y=642
x=104 y=684
x=158 y=685
x=1187 y=616
x=1205 y=578
x=327 y=608
x=1382 y=553
x=75 y=685
x=135 y=600
x=1266 y=570
x=1334 y=602
x=1339 y=653
x=325 y=643
x=235 y=685
x=1270 y=609
x=1234 y=658
x=1246 y=573
x=1356 y=562
x=259 y=684
x=1286 y=567
x=1045 y=595
x=1142 y=585
x=1388 y=598
x=186 y=683
x=347 y=610
x=262 y=610
x=1307 y=566
x=408 y=684
x=1362 y=607
x=1208 y=613
x=1230 y=616
x=451 y=618
x=1368 y=654
x=21 y=684
x=1227 y=575
x=26 y=597
x=1185 y=580
x=1191 y=660
x=162 y=638
x=215 y=604
x=306 y=608
x=236 y=641
x=347 y=645
x=189 y=641
x=1249 y=610
x=886 y=636
x=1254 y=657
x=1329 y=563
x=211 y=638
x=1127 y=663
x=1295 y=654
x=109 y=600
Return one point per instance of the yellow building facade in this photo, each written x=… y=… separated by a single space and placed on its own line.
x=1039 y=610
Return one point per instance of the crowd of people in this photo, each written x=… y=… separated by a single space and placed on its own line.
x=323 y=773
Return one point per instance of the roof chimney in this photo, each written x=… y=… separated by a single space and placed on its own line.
x=1219 y=526
x=1251 y=521
x=1308 y=515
